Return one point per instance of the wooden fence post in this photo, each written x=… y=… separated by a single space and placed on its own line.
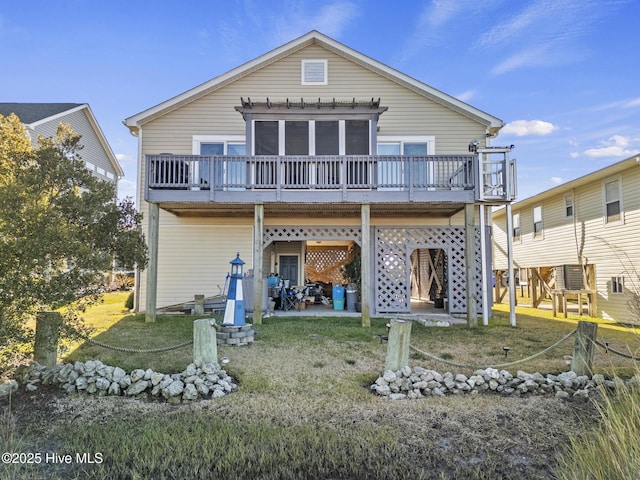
x=398 y=346
x=45 y=347
x=198 y=305
x=584 y=347
x=205 y=346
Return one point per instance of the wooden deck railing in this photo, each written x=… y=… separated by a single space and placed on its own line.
x=434 y=173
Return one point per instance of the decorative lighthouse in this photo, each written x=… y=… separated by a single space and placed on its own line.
x=234 y=309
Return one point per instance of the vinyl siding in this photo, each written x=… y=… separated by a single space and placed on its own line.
x=194 y=256
x=613 y=248
x=93 y=150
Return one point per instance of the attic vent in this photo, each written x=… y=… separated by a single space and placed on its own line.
x=314 y=72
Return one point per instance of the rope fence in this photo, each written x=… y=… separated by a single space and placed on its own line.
x=135 y=350
x=609 y=348
x=502 y=365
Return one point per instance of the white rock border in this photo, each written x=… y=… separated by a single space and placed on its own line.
x=418 y=382
x=198 y=381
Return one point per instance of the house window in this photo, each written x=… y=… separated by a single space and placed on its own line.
x=568 y=206
x=296 y=138
x=266 y=138
x=327 y=137
x=537 y=221
x=516 y=227
x=393 y=172
x=229 y=173
x=356 y=133
x=334 y=137
x=617 y=285
x=612 y=201
x=314 y=72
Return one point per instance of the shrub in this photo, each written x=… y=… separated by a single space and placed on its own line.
x=128 y=304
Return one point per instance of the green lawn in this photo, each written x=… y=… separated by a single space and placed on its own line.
x=304 y=409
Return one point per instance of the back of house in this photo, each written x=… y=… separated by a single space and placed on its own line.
x=302 y=159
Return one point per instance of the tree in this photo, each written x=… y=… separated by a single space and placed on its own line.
x=60 y=230
x=14 y=140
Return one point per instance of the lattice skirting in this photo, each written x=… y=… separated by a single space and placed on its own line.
x=287 y=233
x=392 y=259
x=393 y=248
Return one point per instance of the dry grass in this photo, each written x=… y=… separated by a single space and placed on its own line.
x=304 y=406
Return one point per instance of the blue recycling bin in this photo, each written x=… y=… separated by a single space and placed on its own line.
x=338 y=292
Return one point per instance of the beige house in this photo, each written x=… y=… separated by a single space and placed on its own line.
x=306 y=157
x=43 y=119
x=589 y=226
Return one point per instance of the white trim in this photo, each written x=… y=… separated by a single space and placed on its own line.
x=58 y=115
x=312 y=137
x=325 y=73
x=573 y=208
x=620 y=221
x=537 y=235
x=342 y=137
x=197 y=140
x=430 y=140
x=281 y=137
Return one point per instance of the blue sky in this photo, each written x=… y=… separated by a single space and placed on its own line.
x=562 y=74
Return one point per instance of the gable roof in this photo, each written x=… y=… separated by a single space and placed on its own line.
x=30 y=113
x=598 y=175
x=493 y=124
x=34 y=114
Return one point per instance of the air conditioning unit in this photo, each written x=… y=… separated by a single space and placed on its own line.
x=569 y=277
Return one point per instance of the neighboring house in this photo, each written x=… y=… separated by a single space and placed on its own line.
x=305 y=154
x=43 y=119
x=593 y=221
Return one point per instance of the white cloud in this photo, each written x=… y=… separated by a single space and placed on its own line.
x=556 y=180
x=126 y=188
x=124 y=158
x=296 y=19
x=535 y=56
x=614 y=146
x=542 y=33
x=466 y=95
x=621 y=104
x=521 y=128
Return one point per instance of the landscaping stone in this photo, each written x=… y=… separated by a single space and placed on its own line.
x=198 y=381
x=420 y=382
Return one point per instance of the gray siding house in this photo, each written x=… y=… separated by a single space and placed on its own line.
x=43 y=119
x=592 y=222
x=305 y=155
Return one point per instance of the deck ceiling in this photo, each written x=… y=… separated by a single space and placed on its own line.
x=313 y=210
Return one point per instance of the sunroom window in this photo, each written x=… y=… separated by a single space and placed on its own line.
x=311 y=137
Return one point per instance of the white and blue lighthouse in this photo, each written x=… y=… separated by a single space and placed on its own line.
x=234 y=308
